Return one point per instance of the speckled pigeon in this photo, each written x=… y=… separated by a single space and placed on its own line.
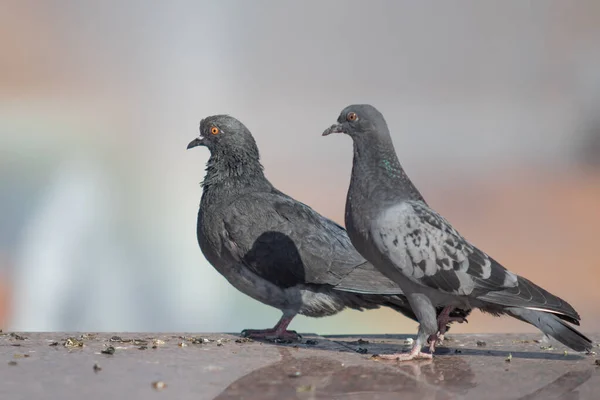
x=392 y=226
x=274 y=248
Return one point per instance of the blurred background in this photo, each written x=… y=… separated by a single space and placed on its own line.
x=494 y=108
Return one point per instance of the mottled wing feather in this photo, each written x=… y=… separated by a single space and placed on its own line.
x=430 y=252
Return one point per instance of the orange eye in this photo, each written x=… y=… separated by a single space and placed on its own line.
x=352 y=116
x=214 y=130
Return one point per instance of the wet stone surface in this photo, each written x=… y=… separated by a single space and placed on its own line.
x=223 y=366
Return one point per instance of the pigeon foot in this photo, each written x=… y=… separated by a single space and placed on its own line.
x=414 y=354
x=271 y=334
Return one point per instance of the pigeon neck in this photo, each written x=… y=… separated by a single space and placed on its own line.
x=376 y=165
x=233 y=174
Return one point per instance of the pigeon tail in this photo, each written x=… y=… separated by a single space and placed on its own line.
x=527 y=294
x=552 y=326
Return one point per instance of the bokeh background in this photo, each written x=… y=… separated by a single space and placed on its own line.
x=494 y=108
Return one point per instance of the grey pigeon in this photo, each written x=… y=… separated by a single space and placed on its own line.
x=392 y=226
x=273 y=248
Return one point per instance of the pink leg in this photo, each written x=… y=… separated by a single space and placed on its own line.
x=443 y=320
x=414 y=354
x=278 y=332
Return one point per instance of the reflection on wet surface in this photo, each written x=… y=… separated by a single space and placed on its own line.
x=222 y=366
x=454 y=373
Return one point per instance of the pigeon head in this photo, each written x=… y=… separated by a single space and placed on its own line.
x=233 y=151
x=225 y=136
x=359 y=121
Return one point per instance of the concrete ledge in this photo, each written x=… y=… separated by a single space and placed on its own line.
x=223 y=366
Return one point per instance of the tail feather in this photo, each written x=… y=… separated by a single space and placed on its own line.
x=552 y=326
x=529 y=295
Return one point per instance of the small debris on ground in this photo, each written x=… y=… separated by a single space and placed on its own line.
x=457 y=351
x=242 y=340
x=117 y=339
x=509 y=357
x=565 y=353
x=182 y=344
x=14 y=363
x=140 y=342
x=72 y=342
x=87 y=336
x=159 y=385
x=525 y=341
x=158 y=342
x=16 y=336
x=21 y=355
x=109 y=350
x=16 y=344
x=296 y=374
x=362 y=350
x=409 y=342
x=97 y=368
x=481 y=343
x=547 y=347
x=219 y=342
x=53 y=344
x=143 y=348
x=312 y=342
x=597 y=362
x=305 y=388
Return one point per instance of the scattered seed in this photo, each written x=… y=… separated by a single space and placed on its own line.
x=508 y=358
x=72 y=342
x=305 y=388
x=159 y=385
x=481 y=343
x=97 y=368
x=87 y=336
x=109 y=350
x=312 y=342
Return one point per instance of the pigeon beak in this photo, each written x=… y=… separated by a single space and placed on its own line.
x=199 y=141
x=335 y=128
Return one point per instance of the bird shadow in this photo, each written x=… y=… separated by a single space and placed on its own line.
x=449 y=349
x=378 y=344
